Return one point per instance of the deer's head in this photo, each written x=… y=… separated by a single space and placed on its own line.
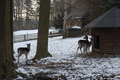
x=86 y=37
x=28 y=45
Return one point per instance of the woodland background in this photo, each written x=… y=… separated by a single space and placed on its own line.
x=26 y=12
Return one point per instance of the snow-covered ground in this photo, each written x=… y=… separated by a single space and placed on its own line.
x=22 y=32
x=72 y=65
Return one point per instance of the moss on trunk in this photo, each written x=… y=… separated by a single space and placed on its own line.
x=7 y=67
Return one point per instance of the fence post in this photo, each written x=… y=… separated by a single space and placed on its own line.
x=24 y=38
x=51 y=34
x=27 y=35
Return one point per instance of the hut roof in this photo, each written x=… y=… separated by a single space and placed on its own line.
x=109 y=19
x=77 y=13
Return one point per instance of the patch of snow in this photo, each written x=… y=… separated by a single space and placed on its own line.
x=76 y=27
x=21 y=70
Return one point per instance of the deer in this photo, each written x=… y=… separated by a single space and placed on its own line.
x=85 y=44
x=23 y=50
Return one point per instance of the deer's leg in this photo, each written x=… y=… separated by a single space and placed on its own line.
x=84 y=48
x=26 y=58
x=19 y=54
x=81 y=49
x=18 y=59
x=80 y=46
x=88 y=50
x=77 y=49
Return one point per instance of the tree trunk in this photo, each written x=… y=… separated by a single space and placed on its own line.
x=11 y=28
x=7 y=67
x=42 y=44
x=64 y=23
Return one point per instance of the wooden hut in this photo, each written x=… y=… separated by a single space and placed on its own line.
x=74 y=31
x=75 y=17
x=105 y=31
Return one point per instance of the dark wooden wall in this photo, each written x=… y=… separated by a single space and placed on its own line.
x=78 y=22
x=75 y=21
x=109 y=40
x=74 y=33
x=68 y=24
x=116 y=40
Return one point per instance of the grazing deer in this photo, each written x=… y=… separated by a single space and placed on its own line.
x=85 y=44
x=23 y=50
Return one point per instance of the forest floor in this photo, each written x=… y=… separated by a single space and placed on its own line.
x=67 y=65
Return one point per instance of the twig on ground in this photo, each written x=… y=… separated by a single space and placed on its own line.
x=44 y=65
x=113 y=75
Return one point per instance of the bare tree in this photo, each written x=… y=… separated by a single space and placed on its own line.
x=65 y=17
x=57 y=11
x=25 y=14
x=42 y=44
x=88 y=4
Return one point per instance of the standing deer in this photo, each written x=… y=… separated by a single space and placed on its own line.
x=23 y=50
x=85 y=44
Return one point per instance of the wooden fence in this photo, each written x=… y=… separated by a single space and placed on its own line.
x=33 y=36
